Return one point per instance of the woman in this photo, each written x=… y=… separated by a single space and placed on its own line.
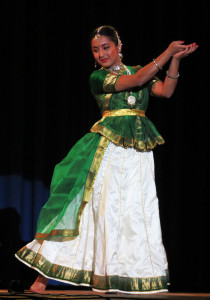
x=101 y=227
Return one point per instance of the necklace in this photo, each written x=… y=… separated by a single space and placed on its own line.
x=131 y=99
x=115 y=68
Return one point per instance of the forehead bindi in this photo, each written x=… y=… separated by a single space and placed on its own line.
x=101 y=41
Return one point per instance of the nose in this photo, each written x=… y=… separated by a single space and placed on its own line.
x=101 y=52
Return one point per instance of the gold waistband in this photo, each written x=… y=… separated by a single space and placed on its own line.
x=123 y=112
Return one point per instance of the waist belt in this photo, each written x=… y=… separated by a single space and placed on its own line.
x=123 y=112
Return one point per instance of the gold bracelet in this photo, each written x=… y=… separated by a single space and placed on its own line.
x=172 y=77
x=154 y=61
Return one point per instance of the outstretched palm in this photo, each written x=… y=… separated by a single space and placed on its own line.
x=188 y=50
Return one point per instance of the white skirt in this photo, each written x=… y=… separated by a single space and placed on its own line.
x=120 y=244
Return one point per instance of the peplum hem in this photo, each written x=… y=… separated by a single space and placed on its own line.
x=129 y=131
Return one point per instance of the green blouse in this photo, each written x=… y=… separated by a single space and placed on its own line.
x=128 y=130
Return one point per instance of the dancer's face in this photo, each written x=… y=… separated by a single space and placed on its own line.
x=105 y=52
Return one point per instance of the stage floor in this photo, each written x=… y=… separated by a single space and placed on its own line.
x=64 y=294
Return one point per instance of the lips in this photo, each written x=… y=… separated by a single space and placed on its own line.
x=104 y=60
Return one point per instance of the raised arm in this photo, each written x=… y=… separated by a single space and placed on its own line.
x=166 y=88
x=148 y=72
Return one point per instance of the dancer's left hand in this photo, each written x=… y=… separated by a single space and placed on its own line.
x=188 y=50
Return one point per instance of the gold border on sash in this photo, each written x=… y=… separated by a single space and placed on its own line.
x=104 y=142
x=64 y=235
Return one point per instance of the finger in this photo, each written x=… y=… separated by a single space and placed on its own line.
x=182 y=48
x=180 y=42
x=195 y=46
x=187 y=51
x=190 y=49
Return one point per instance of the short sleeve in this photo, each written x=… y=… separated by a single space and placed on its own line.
x=151 y=83
x=102 y=81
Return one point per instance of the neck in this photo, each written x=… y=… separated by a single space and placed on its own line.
x=115 y=68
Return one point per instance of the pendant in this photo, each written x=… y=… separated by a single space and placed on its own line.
x=131 y=100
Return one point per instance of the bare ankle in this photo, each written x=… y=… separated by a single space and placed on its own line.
x=39 y=285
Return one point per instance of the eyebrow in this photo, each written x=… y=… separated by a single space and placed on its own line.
x=100 y=45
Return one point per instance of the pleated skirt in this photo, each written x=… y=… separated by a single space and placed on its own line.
x=119 y=247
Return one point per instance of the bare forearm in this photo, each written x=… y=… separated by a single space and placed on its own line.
x=171 y=80
x=166 y=88
x=149 y=71
x=146 y=73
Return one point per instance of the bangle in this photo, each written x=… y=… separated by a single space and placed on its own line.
x=154 y=61
x=172 y=77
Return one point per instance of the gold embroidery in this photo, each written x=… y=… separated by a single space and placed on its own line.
x=109 y=83
x=58 y=235
x=92 y=173
x=123 y=112
x=159 y=282
x=150 y=166
x=103 y=203
x=95 y=167
x=107 y=100
x=125 y=141
x=88 y=278
x=146 y=284
x=154 y=285
x=135 y=284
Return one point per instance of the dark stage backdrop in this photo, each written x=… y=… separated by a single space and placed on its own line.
x=46 y=106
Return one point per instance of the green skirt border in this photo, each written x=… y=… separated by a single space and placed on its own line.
x=88 y=278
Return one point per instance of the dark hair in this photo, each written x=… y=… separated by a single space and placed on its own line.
x=106 y=30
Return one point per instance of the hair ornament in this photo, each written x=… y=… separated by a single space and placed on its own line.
x=118 y=38
x=97 y=36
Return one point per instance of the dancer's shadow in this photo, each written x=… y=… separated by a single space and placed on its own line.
x=10 y=242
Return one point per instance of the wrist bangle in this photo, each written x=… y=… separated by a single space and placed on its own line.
x=154 y=61
x=172 y=77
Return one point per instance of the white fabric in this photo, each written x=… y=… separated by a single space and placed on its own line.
x=120 y=230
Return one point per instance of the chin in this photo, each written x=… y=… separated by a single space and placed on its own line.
x=105 y=64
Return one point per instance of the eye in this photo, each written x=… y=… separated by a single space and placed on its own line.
x=106 y=47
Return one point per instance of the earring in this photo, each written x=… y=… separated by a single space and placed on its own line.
x=121 y=56
x=95 y=65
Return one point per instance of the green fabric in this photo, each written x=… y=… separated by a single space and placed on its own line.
x=60 y=215
x=133 y=131
x=67 y=187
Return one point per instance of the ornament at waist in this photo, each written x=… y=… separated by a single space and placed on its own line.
x=123 y=112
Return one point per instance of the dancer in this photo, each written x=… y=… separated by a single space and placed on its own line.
x=100 y=226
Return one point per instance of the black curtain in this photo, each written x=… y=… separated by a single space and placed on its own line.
x=46 y=106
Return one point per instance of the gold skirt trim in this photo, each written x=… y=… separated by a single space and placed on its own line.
x=88 y=278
